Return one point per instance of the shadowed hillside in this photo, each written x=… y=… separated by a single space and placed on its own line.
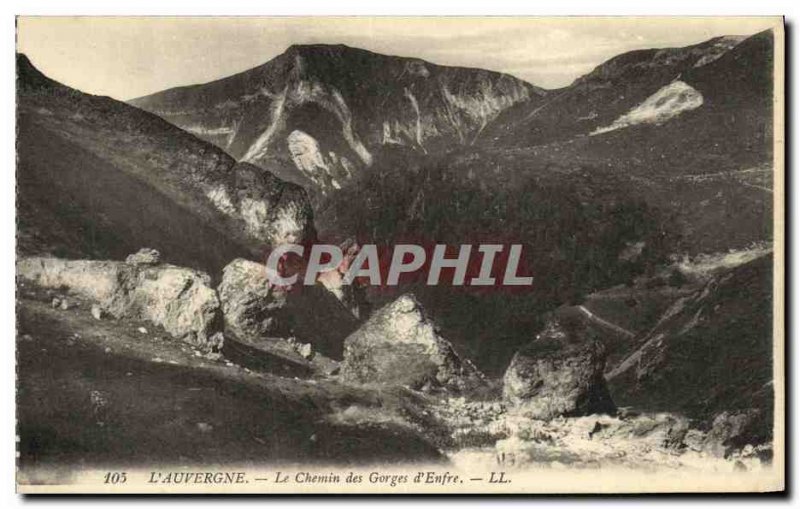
x=99 y=178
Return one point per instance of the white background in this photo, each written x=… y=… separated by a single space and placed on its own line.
x=791 y=9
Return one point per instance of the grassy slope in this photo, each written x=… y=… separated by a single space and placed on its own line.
x=709 y=168
x=99 y=178
x=156 y=392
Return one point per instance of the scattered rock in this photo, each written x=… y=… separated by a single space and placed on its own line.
x=142 y=330
x=64 y=304
x=305 y=350
x=144 y=256
x=560 y=373
x=635 y=441
x=732 y=431
x=216 y=341
x=694 y=440
x=97 y=312
x=399 y=345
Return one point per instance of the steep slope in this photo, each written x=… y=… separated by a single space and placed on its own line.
x=99 y=178
x=317 y=113
x=710 y=352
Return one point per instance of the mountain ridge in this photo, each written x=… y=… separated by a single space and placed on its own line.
x=319 y=113
x=113 y=178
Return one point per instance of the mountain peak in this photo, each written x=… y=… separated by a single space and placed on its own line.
x=317 y=47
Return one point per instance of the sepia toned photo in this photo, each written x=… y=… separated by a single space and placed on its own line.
x=400 y=255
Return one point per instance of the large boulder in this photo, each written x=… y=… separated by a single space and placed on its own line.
x=256 y=311
x=560 y=373
x=400 y=345
x=253 y=308
x=178 y=299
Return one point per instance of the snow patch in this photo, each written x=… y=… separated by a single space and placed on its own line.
x=669 y=102
x=301 y=93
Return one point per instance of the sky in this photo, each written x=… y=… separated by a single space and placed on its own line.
x=130 y=57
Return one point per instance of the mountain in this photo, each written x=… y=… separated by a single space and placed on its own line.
x=658 y=173
x=318 y=113
x=690 y=128
x=597 y=99
x=641 y=195
x=99 y=178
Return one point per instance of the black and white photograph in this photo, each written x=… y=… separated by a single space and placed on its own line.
x=399 y=255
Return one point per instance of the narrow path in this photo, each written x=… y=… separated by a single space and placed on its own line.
x=596 y=319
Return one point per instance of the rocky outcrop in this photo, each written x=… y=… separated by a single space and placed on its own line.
x=178 y=299
x=274 y=211
x=251 y=305
x=559 y=374
x=733 y=431
x=399 y=345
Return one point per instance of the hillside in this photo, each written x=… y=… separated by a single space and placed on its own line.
x=710 y=351
x=99 y=178
x=596 y=99
x=692 y=134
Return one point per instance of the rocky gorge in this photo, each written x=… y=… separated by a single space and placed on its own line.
x=646 y=341
x=552 y=406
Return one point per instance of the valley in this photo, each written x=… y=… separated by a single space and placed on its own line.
x=641 y=196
